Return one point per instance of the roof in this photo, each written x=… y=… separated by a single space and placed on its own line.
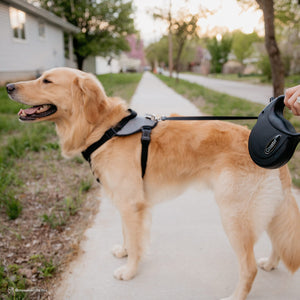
x=43 y=14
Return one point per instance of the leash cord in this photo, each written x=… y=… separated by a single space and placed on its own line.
x=207 y=118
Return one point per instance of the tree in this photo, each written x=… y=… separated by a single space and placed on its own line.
x=287 y=13
x=162 y=14
x=104 y=25
x=219 y=51
x=242 y=44
x=287 y=23
x=158 y=52
x=184 y=28
x=277 y=68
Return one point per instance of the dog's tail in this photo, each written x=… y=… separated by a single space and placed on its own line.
x=284 y=229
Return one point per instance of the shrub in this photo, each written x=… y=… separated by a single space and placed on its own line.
x=265 y=67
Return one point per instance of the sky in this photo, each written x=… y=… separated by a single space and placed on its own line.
x=229 y=15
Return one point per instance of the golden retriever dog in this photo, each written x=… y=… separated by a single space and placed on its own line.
x=210 y=153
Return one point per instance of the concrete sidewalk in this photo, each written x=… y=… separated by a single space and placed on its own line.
x=189 y=255
x=251 y=92
x=153 y=96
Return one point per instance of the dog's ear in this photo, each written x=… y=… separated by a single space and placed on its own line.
x=93 y=95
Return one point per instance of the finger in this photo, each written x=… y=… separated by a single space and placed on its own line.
x=290 y=95
x=291 y=101
x=290 y=91
x=296 y=107
x=286 y=102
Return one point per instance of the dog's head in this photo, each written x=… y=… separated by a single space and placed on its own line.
x=60 y=93
x=74 y=100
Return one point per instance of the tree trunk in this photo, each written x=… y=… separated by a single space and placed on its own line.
x=277 y=68
x=177 y=60
x=170 y=54
x=170 y=41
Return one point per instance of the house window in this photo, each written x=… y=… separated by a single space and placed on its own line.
x=17 y=22
x=42 y=30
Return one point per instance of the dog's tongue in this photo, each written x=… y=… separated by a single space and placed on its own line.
x=31 y=110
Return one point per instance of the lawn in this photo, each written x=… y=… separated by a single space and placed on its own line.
x=215 y=103
x=46 y=201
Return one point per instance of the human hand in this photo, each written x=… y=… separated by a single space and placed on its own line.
x=292 y=99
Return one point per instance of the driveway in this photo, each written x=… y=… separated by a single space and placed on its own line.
x=189 y=256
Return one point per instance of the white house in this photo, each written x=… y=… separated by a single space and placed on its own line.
x=132 y=61
x=103 y=65
x=32 y=40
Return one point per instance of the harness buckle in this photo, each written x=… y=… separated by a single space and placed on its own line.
x=146 y=132
x=154 y=117
x=110 y=133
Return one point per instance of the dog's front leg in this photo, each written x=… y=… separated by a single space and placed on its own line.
x=135 y=220
x=120 y=251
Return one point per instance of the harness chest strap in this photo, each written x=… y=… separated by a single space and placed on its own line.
x=145 y=139
x=107 y=135
x=127 y=126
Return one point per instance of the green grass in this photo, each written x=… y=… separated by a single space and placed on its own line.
x=120 y=85
x=292 y=80
x=215 y=103
x=6 y=105
x=11 y=279
x=17 y=140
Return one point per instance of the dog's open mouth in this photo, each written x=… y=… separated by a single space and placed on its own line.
x=37 y=112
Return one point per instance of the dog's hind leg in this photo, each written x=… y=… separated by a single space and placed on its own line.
x=284 y=229
x=241 y=237
x=135 y=219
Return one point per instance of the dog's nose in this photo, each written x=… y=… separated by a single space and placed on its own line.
x=10 y=87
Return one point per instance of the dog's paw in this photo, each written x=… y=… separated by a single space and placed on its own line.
x=265 y=264
x=119 y=251
x=125 y=273
x=228 y=298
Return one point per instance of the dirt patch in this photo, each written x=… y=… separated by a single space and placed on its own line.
x=59 y=200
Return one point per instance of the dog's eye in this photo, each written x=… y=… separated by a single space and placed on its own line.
x=46 y=81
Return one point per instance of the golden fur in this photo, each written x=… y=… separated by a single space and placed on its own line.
x=251 y=199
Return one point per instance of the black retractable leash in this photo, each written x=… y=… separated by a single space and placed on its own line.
x=273 y=139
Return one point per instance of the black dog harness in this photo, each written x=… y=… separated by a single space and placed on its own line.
x=131 y=124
